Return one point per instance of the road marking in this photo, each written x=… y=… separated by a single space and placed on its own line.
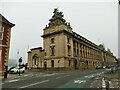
x=14 y=80
x=34 y=84
x=58 y=77
x=79 y=81
x=66 y=75
x=49 y=74
x=103 y=83
x=26 y=75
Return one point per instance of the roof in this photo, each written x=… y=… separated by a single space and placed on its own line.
x=37 y=48
x=4 y=20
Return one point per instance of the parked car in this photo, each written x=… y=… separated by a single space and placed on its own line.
x=17 y=70
x=98 y=67
x=104 y=67
x=10 y=68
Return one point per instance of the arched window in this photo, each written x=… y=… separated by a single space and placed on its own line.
x=35 y=59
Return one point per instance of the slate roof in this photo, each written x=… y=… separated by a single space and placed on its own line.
x=4 y=20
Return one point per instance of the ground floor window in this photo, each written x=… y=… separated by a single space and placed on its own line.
x=52 y=63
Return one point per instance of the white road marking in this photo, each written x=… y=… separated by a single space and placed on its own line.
x=79 y=81
x=103 y=83
x=14 y=80
x=26 y=75
x=50 y=74
x=34 y=84
x=66 y=75
x=58 y=77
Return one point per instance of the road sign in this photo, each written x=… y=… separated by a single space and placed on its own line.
x=20 y=60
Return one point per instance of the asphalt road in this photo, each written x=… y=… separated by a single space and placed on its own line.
x=64 y=79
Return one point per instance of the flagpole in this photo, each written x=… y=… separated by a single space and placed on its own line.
x=17 y=55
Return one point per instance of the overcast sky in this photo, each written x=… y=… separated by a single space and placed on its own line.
x=96 y=21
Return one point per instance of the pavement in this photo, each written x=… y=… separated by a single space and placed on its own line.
x=107 y=80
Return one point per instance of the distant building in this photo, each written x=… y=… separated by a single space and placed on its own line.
x=66 y=49
x=5 y=32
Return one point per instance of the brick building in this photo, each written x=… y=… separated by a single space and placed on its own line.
x=5 y=32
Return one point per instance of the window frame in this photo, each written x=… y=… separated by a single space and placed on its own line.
x=2 y=32
x=52 y=51
x=0 y=53
x=52 y=40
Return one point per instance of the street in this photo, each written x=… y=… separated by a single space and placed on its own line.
x=55 y=79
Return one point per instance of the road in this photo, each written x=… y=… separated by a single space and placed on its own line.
x=61 y=79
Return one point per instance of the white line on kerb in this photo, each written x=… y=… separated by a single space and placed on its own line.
x=34 y=84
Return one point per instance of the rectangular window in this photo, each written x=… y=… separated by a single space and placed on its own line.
x=68 y=40
x=0 y=55
x=69 y=50
x=35 y=62
x=0 y=52
x=1 y=32
x=53 y=51
x=52 y=40
x=52 y=63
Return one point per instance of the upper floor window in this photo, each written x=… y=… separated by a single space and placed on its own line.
x=69 y=48
x=52 y=51
x=52 y=40
x=45 y=53
x=1 y=32
x=0 y=54
x=68 y=40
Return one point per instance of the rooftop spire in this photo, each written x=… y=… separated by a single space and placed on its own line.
x=57 y=18
x=57 y=14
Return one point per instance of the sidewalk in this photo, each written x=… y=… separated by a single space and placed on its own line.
x=113 y=79
x=107 y=80
x=9 y=76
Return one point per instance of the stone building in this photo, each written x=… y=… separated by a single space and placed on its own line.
x=65 y=49
x=5 y=32
x=36 y=58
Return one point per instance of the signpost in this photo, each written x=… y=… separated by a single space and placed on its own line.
x=20 y=61
x=5 y=71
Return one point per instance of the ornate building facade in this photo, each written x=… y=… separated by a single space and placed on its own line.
x=5 y=33
x=64 y=48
